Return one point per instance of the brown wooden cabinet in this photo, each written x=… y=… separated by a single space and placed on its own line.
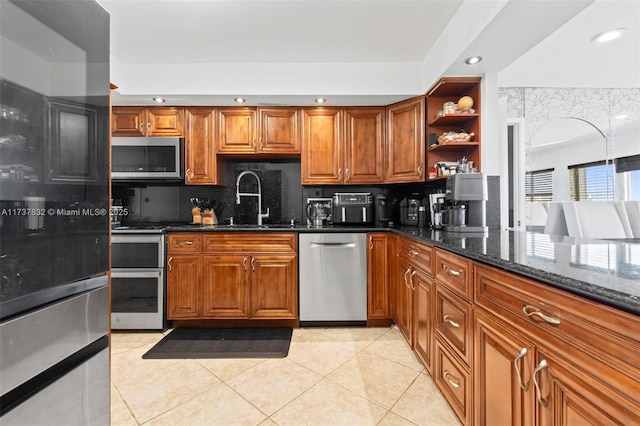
x=202 y=165
x=264 y=131
x=451 y=89
x=364 y=145
x=405 y=141
x=343 y=146
x=236 y=130
x=279 y=130
x=580 y=365
x=322 y=153
x=232 y=276
x=379 y=268
x=147 y=121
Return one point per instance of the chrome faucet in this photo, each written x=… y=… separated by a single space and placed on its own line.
x=248 y=194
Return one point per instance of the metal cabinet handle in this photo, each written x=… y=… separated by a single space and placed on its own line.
x=447 y=318
x=521 y=354
x=253 y=264
x=253 y=143
x=413 y=253
x=244 y=263
x=406 y=281
x=169 y=263
x=189 y=174
x=536 y=313
x=454 y=382
x=543 y=364
x=348 y=174
x=339 y=173
x=420 y=170
x=149 y=127
x=261 y=143
x=141 y=127
x=371 y=242
x=185 y=243
x=451 y=272
x=411 y=285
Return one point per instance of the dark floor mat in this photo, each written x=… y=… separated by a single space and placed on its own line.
x=223 y=343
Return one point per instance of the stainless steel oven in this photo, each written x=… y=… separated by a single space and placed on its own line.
x=137 y=280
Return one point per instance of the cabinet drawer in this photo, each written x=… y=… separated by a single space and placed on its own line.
x=454 y=380
x=263 y=242
x=453 y=322
x=596 y=329
x=455 y=273
x=185 y=242
x=417 y=254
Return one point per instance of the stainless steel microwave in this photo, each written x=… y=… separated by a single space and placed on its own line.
x=144 y=158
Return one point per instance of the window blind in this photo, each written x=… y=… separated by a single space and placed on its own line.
x=591 y=181
x=539 y=185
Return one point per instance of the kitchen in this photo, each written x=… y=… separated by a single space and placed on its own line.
x=285 y=193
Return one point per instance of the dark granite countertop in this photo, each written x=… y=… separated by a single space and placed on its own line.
x=604 y=271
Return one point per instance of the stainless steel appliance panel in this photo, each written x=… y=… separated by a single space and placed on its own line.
x=34 y=342
x=333 y=277
x=137 y=251
x=146 y=158
x=80 y=397
x=137 y=299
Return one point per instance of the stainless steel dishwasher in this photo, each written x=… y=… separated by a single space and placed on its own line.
x=333 y=277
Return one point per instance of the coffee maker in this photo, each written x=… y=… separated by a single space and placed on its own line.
x=318 y=211
x=465 y=207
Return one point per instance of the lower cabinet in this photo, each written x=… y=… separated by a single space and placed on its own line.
x=423 y=318
x=379 y=268
x=251 y=276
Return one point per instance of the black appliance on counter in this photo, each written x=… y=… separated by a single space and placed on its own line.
x=410 y=210
x=382 y=210
x=352 y=208
x=54 y=195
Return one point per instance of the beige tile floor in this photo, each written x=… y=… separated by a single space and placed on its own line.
x=332 y=376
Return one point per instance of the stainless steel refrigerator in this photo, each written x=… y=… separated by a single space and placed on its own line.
x=54 y=213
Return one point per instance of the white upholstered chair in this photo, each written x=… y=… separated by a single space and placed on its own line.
x=597 y=219
x=633 y=213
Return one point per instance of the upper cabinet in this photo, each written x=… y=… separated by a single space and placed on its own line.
x=202 y=166
x=405 y=141
x=147 y=121
x=245 y=130
x=450 y=125
x=343 y=146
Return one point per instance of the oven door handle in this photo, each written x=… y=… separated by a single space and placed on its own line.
x=133 y=273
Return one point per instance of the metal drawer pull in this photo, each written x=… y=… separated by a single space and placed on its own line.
x=454 y=383
x=244 y=263
x=169 y=263
x=537 y=313
x=371 y=242
x=185 y=243
x=413 y=253
x=521 y=354
x=253 y=264
x=543 y=364
x=406 y=281
x=451 y=272
x=413 y=287
x=447 y=318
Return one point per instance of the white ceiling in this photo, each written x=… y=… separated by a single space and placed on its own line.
x=356 y=52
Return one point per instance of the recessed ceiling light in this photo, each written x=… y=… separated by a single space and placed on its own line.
x=620 y=116
x=473 y=60
x=159 y=100
x=608 y=35
x=320 y=100
x=240 y=100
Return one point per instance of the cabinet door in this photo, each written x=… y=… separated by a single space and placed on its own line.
x=321 y=146
x=201 y=164
x=225 y=286
x=503 y=363
x=274 y=285
x=364 y=145
x=404 y=301
x=379 y=276
x=237 y=131
x=165 y=121
x=128 y=121
x=183 y=286
x=73 y=143
x=423 y=317
x=279 y=131
x=405 y=141
x=567 y=395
